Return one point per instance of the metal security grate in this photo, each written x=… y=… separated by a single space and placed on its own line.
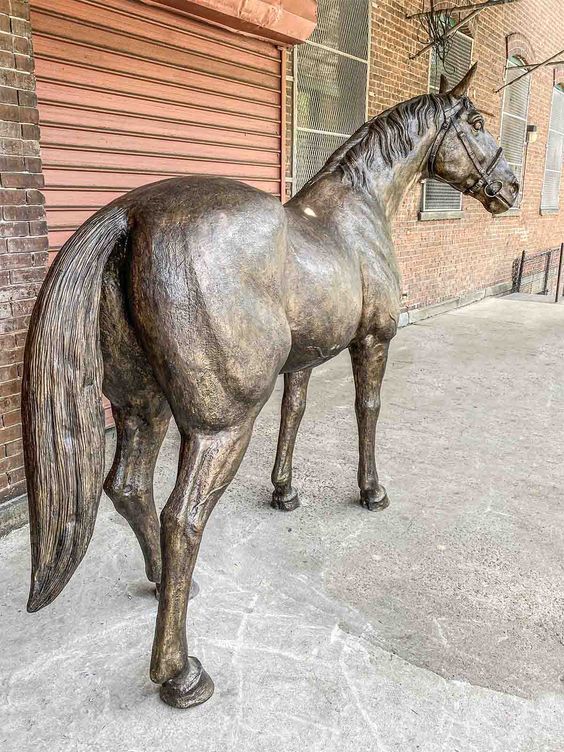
x=331 y=91
x=315 y=149
x=554 y=153
x=514 y=119
x=439 y=196
x=330 y=78
x=343 y=25
x=538 y=274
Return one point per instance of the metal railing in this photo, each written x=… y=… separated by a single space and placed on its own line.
x=540 y=273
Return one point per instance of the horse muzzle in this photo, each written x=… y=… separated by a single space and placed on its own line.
x=498 y=195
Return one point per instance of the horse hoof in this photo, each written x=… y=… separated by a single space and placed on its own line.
x=192 y=686
x=374 y=500
x=287 y=502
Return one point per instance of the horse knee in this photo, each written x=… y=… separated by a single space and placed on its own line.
x=367 y=403
x=297 y=404
x=124 y=498
x=179 y=523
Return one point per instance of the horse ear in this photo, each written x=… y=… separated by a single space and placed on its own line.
x=461 y=88
x=443 y=86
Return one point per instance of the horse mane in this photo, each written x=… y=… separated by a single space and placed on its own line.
x=387 y=134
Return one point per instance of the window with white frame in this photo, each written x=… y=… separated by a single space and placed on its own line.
x=514 y=114
x=331 y=76
x=437 y=196
x=554 y=153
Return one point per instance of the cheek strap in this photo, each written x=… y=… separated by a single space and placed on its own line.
x=492 y=188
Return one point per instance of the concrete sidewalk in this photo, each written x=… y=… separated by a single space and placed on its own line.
x=435 y=626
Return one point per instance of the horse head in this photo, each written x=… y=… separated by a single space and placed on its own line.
x=465 y=154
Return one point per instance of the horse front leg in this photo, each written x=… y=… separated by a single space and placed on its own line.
x=369 y=357
x=293 y=407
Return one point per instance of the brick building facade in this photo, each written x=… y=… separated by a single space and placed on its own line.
x=444 y=259
x=447 y=258
x=23 y=230
x=86 y=166
x=125 y=93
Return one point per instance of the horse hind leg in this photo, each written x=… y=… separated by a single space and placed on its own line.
x=293 y=407
x=208 y=463
x=140 y=431
x=141 y=414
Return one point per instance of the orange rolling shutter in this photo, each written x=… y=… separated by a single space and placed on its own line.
x=130 y=93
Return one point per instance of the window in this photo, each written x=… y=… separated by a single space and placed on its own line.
x=331 y=73
x=437 y=196
x=514 y=119
x=554 y=153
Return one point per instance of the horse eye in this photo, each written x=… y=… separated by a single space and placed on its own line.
x=478 y=125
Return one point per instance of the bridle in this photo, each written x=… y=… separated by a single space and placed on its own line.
x=492 y=188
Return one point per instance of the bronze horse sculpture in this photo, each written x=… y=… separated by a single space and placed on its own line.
x=188 y=297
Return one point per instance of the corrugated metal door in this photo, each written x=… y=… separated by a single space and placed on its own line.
x=130 y=94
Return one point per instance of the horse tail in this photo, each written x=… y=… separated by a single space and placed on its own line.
x=62 y=414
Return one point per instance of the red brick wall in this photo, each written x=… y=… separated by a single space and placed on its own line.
x=23 y=240
x=444 y=259
x=439 y=259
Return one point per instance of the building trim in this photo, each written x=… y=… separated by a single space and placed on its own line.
x=286 y=22
x=442 y=214
x=415 y=315
x=517 y=45
x=13 y=514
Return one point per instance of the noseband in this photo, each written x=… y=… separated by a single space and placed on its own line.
x=492 y=188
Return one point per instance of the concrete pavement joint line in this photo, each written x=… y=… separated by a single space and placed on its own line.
x=234 y=662
x=237 y=645
x=372 y=725
x=441 y=633
x=76 y=646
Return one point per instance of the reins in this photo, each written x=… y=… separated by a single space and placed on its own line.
x=492 y=188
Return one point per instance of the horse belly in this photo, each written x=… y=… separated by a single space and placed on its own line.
x=324 y=312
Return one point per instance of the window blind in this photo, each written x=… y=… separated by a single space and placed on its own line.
x=514 y=119
x=554 y=152
x=439 y=196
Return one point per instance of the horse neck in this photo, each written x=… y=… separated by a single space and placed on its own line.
x=385 y=184
x=388 y=185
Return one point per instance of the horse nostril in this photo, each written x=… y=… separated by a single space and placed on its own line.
x=515 y=186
